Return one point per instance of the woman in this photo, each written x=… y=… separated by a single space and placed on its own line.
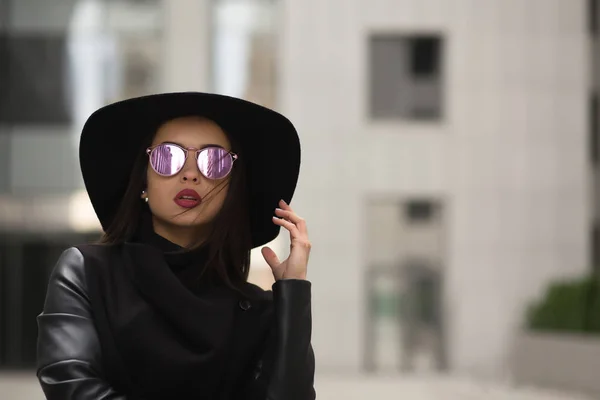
x=184 y=186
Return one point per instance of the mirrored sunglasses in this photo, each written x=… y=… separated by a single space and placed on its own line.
x=168 y=159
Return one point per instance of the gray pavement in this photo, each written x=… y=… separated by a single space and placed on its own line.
x=22 y=386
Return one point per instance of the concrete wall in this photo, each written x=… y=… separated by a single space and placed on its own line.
x=510 y=158
x=559 y=361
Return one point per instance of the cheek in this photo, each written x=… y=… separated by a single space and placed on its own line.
x=152 y=185
x=219 y=198
x=157 y=186
x=150 y=178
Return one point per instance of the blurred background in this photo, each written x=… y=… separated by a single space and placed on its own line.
x=450 y=174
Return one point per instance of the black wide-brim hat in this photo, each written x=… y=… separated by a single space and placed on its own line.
x=113 y=136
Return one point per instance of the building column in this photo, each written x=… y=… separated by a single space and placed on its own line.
x=187 y=28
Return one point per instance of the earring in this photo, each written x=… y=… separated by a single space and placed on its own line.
x=144 y=197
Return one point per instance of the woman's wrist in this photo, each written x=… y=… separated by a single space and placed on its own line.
x=297 y=278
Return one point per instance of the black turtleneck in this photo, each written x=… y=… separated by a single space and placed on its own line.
x=186 y=264
x=161 y=340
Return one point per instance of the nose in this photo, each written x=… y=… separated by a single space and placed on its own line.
x=190 y=171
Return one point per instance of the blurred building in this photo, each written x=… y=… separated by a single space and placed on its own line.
x=448 y=136
x=447 y=174
x=594 y=125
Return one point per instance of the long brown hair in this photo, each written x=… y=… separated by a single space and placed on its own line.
x=229 y=242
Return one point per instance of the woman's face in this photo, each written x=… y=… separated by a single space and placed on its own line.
x=179 y=216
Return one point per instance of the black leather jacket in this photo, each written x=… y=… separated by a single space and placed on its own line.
x=70 y=359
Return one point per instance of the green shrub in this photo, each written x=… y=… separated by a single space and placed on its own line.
x=568 y=306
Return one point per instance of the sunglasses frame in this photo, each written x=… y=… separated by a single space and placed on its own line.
x=186 y=151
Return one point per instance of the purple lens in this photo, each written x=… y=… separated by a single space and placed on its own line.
x=215 y=162
x=167 y=159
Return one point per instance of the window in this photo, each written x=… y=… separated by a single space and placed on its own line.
x=61 y=60
x=406 y=77
x=424 y=56
x=26 y=262
x=32 y=78
x=419 y=211
x=593 y=11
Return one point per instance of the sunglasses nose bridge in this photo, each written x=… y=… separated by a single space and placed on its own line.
x=190 y=165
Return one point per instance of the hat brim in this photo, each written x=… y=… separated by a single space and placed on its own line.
x=112 y=137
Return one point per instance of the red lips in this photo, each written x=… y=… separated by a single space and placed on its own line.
x=187 y=198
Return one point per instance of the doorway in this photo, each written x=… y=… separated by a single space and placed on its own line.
x=404 y=278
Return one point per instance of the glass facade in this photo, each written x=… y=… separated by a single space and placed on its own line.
x=59 y=61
